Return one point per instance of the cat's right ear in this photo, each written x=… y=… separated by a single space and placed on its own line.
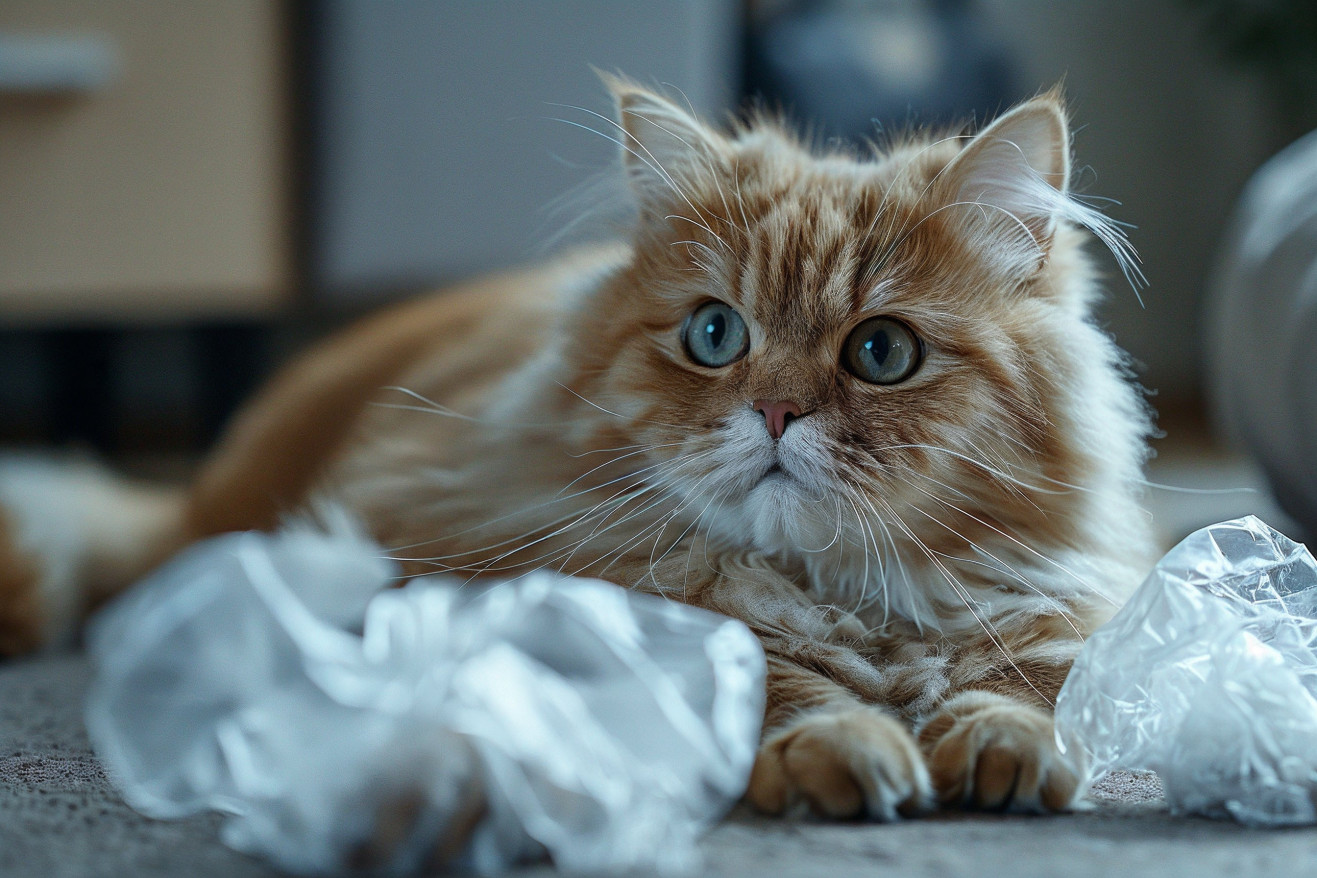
x=666 y=151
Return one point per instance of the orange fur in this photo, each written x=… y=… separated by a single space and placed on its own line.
x=280 y=444
x=21 y=617
x=924 y=554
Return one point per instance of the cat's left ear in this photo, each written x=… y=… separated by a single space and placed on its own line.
x=667 y=151
x=1009 y=184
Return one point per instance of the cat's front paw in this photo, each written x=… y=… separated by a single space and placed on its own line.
x=854 y=763
x=992 y=752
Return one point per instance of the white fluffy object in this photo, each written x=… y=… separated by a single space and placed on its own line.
x=478 y=723
x=1208 y=676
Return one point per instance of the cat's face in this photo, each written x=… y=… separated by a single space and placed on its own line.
x=825 y=352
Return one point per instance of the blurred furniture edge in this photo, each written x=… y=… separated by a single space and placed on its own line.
x=146 y=181
x=166 y=162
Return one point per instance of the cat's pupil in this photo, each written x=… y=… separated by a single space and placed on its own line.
x=716 y=329
x=878 y=346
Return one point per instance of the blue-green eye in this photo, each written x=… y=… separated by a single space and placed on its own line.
x=882 y=351
x=715 y=335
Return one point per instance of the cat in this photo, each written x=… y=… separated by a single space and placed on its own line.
x=858 y=402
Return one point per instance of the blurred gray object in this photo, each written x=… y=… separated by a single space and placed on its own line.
x=852 y=69
x=434 y=147
x=1261 y=356
x=43 y=64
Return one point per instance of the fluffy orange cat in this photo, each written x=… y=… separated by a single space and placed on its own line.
x=859 y=403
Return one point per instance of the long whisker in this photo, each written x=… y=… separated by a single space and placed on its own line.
x=988 y=468
x=891 y=184
x=963 y=593
x=607 y=506
x=652 y=527
x=836 y=534
x=664 y=492
x=649 y=159
x=1018 y=542
x=524 y=511
x=1061 y=608
x=611 y=462
x=697 y=522
x=620 y=448
x=721 y=497
x=615 y=414
x=864 y=582
x=896 y=554
x=712 y=173
x=900 y=566
x=717 y=183
x=602 y=511
x=429 y=406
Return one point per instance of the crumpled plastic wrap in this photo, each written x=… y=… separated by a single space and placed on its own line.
x=477 y=724
x=1208 y=676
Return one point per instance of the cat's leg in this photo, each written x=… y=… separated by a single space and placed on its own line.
x=72 y=535
x=825 y=746
x=825 y=749
x=992 y=745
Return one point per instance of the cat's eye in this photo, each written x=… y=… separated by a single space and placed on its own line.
x=715 y=335
x=882 y=351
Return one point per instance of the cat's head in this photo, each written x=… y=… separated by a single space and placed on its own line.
x=825 y=351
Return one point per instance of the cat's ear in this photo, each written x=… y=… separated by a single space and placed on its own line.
x=1009 y=184
x=666 y=150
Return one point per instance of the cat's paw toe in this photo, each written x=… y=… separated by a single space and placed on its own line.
x=857 y=763
x=993 y=753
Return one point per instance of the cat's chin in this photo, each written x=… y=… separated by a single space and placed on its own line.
x=779 y=513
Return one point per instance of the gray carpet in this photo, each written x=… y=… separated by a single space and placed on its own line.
x=60 y=817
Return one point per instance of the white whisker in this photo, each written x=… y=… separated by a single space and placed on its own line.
x=963 y=593
x=615 y=414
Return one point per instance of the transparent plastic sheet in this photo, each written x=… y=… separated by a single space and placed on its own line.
x=1208 y=676
x=555 y=715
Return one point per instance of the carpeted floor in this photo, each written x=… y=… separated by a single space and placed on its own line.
x=60 y=817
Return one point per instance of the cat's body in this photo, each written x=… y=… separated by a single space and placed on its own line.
x=859 y=405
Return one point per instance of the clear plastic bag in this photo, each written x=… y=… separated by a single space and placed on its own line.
x=540 y=715
x=1208 y=676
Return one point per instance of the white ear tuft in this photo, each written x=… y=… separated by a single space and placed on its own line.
x=666 y=148
x=1011 y=186
x=1017 y=166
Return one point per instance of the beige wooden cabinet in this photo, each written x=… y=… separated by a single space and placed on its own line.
x=159 y=194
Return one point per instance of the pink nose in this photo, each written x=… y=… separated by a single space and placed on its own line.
x=777 y=415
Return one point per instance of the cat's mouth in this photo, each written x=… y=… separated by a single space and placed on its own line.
x=780 y=478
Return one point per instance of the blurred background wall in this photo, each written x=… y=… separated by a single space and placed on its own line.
x=190 y=191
